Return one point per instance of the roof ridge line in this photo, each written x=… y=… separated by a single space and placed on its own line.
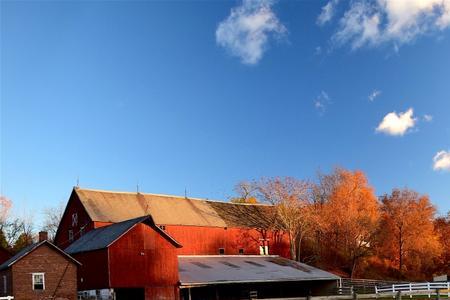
x=170 y=196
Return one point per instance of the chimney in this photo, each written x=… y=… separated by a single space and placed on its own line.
x=43 y=236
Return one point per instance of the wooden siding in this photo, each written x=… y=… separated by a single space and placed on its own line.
x=74 y=206
x=60 y=275
x=4 y=255
x=93 y=273
x=143 y=258
x=8 y=291
x=198 y=240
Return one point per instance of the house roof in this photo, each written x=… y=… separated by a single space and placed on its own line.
x=103 y=237
x=107 y=206
x=224 y=269
x=27 y=250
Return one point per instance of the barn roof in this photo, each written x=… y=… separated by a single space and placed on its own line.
x=108 y=206
x=103 y=237
x=224 y=269
x=27 y=250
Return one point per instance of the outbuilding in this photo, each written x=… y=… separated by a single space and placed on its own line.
x=40 y=271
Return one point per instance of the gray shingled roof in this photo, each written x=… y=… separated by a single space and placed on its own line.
x=223 y=269
x=102 y=237
x=25 y=251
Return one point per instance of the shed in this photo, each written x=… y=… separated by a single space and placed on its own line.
x=230 y=276
x=135 y=259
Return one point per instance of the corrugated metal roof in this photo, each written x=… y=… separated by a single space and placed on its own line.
x=224 y=269
x=107 y=206
x=102 y=237
x=25 y=251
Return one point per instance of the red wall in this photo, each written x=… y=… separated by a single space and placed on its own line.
x=141 y=258
x=198 y=240
x=93 y=273
x=73 y=206
x=4 y=255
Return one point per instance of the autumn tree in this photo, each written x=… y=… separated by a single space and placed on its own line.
x=442 y=229
x=245 y=191
x=349 y=215
x=52 y=218
x=406 y=236
x=292 y=201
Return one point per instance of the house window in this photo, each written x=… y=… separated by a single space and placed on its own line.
x=38 y=281
x=70 y=235
x=241 y=251
x=74 y=219
x=221 y=251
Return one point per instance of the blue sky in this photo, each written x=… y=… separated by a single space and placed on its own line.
x=200 y=95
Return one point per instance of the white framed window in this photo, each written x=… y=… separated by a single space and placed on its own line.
x=38 y=281
x=70 y=235
x=74 y=219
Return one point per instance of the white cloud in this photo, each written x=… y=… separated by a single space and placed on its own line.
x=441 y=161
x=321 y=102
x=328 y=12
x=248 y=28
x=397 y=124
x=374 y=95
x=376 y=22
x=428 y=118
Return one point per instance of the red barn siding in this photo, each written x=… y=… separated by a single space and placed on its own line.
x=4 y=255
x=73 y=206
x=93 y=273
x=8 y=274
x=198 y=240
x=144 y=250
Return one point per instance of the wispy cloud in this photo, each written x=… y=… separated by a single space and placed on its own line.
x=377 y=22
x=374 y=95
x=397 y=124
x=441 y=161
x=321 y=102
x=428 y=118
x=247 y=30
x=328 y=12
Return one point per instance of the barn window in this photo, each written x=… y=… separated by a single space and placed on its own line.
x=221 y=251
x=38 y=281
x=264 y=250
x=162 y=227
x=70 y=235
x=74 y=219
x=241 y=251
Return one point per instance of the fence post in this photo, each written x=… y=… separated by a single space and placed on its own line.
x=399 y=295
x=438 y=294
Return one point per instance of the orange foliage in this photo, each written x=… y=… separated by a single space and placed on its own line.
x=406 y=235
x=350 y=217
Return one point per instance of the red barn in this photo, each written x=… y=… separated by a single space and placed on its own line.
x=203 y=227
x=132 y=244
